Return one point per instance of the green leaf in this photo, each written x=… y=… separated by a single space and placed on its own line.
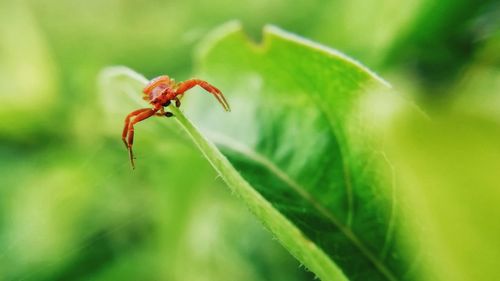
x=305 y=133
x=37 y=63
x=448 y=167
x=302 y=148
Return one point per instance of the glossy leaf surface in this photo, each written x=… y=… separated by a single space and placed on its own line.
x=301 y=148
x=304 y=134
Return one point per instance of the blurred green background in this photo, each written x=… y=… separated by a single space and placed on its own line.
x=70 y=206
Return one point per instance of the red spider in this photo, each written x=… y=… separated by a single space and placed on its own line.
x=160 y=92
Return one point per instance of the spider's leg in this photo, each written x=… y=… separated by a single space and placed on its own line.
x=141 y=116
x=164 y=113
x=127 y=122
x=160 y=112
x=188 y=84
x=177 y=102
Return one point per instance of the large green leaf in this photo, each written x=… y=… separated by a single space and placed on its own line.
x=302 y=149
x=304 y=132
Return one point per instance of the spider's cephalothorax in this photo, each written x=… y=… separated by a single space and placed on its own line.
x=160 y=92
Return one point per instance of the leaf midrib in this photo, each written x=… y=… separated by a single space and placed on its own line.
x=264 y=161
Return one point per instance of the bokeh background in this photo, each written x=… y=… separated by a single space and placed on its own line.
x=70 y=206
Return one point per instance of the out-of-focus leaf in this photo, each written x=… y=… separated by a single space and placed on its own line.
x=449 y=170
x=27 y=73
x=444 y=37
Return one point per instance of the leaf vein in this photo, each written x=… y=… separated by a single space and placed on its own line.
x=251 y=154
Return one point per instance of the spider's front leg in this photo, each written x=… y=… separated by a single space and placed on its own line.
x=127 y=123
x=188 y=84
x=164 y=113
x=128 y=130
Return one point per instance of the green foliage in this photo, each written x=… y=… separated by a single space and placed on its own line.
x=301 y=150
x=314 y=147
x=447 y=169
x=35 y=62
x=72 y=209
x=304 y=140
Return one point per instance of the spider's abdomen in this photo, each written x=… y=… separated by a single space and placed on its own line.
x=157 y=87
x=157 y=91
